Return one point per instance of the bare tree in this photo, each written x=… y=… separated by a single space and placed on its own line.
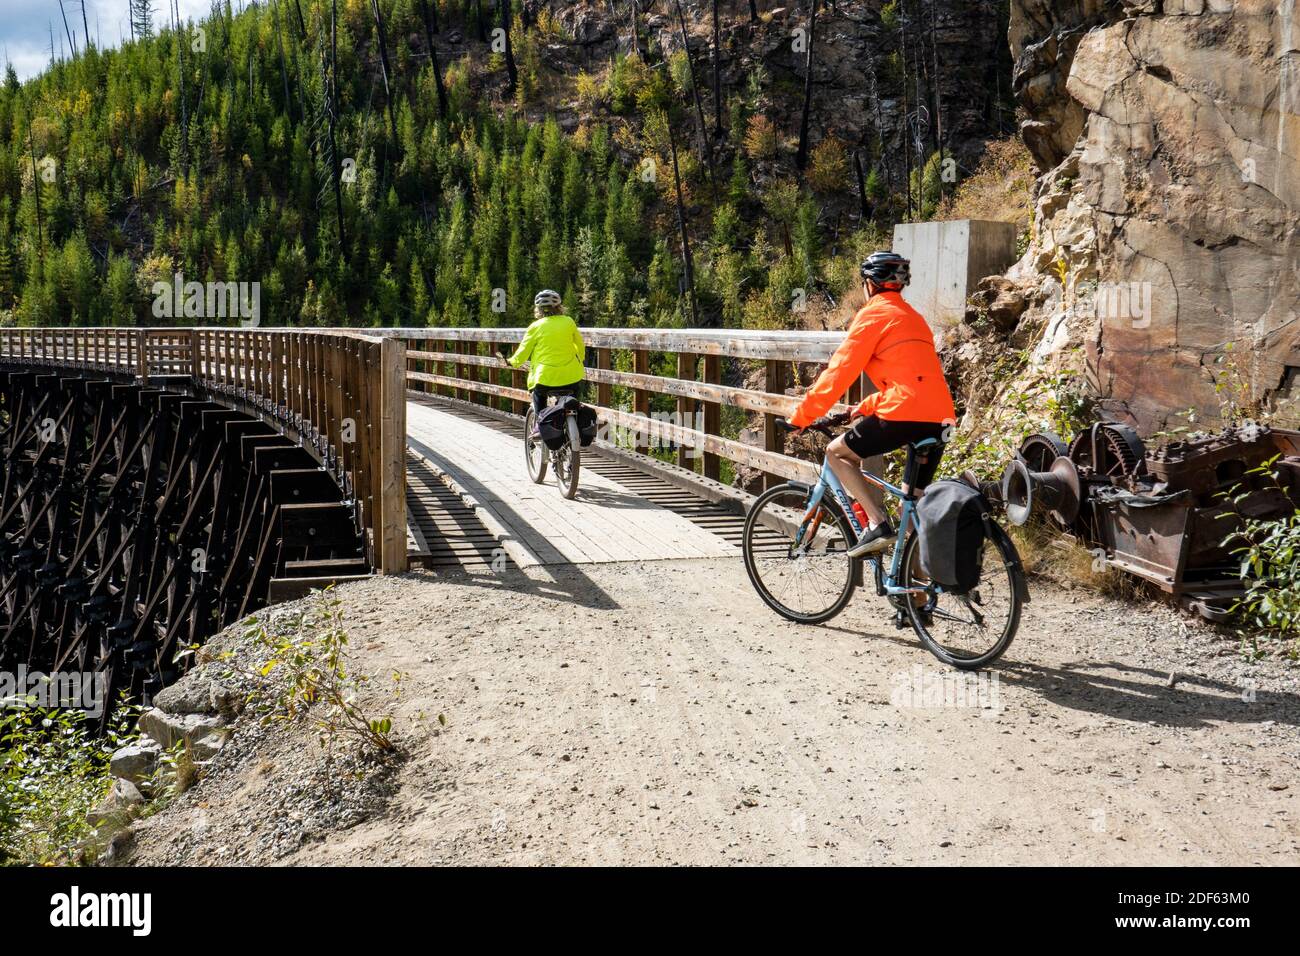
x=433 y=55
x=801 y=158
x=862 y=182
x=36 y=176
x=688 y=263
x=511 y=70
x=284 y=70
x=717 y=73
x=71 y=42
x=636 y=33
x=383 y=66
x=706 y=147
x=331 y=108
x=180 y=73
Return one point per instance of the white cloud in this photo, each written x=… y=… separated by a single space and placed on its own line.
x=26 y=25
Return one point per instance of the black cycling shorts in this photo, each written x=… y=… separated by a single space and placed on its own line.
x=872 y=436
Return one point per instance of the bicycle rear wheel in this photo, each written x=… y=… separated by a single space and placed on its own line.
x=972 y=630
x=809 y=582
x=534 y=451
x=568 y=460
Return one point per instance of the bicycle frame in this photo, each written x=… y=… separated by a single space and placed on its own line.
x=827 y=481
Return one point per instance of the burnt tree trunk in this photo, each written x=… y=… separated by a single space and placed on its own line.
x=332 y=106
x=284 y=69
x=511 y=70
x=688 y=264
x=383 y=66
x=801 y=158
x=717 y=74
x=636 y=35
x=433 y=55
x=705 y=146
x=862 y=183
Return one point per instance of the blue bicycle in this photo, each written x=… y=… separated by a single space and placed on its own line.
x=796 y=543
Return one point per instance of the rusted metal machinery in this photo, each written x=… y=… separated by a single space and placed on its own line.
x=1163 y=516
x=136 y=518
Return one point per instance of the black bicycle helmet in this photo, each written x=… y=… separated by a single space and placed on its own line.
x=888 y=270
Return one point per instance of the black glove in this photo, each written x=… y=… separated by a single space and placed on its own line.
x=831 y=421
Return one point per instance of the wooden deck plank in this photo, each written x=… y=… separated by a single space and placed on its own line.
x=607 y=522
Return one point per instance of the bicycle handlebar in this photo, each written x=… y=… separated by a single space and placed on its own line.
x=823 y=425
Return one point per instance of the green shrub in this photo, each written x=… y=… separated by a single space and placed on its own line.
x=302 y=676
x=53 y=772
x=1269 y=567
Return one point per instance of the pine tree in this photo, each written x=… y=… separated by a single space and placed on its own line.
x=140 y=13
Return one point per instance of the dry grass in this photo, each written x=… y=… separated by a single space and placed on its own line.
x=1000 y=189
x=1049 y=554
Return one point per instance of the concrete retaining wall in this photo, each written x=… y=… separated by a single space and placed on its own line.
x=948 y=261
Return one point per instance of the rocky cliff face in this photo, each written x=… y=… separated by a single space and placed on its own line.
x=1166 y=238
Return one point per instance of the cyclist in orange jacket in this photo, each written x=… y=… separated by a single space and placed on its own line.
x=891 y=342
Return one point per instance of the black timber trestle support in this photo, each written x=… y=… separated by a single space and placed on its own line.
x=138 y=519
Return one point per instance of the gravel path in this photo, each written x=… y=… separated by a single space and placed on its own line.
x=658 y=713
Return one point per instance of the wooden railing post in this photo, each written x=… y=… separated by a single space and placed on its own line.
x=641 y=398
x=142 y=354
x=686 y=365
x=195 y=363
x=711 y=463
x=604 y=391
x=773 y=437
x=390 y=533
x=518 y=379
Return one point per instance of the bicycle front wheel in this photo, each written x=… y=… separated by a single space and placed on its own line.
x=534 y=450
x=972 y=630
x=568 y=460
x=797 y=557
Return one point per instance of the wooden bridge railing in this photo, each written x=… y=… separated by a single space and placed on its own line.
x=343 y=391
x=340 y=391
x=462 y=363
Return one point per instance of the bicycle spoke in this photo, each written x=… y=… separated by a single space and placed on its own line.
x=810 y=583
x=976 y=625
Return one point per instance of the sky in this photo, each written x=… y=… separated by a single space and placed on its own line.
x=25 y=27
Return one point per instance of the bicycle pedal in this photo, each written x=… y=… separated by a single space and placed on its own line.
x=901 y=621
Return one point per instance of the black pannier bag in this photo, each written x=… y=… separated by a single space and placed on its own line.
x=950 y=516
x=586 y=424
x=550 y=425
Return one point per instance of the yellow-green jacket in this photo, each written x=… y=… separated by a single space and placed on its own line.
x=554 y=345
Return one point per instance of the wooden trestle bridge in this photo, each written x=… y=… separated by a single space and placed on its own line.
x=158 y=484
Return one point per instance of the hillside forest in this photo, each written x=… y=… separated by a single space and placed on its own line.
x=412 y=162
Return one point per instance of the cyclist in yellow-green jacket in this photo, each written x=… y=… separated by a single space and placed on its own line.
x=554 y=346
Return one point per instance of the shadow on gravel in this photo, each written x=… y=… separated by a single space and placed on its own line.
x=565 y=583
x=1143 y=694
x=1124 y=691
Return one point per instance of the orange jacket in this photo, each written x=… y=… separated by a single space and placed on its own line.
x=890 y=341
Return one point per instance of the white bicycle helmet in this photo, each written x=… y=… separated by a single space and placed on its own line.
x=545 y=298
